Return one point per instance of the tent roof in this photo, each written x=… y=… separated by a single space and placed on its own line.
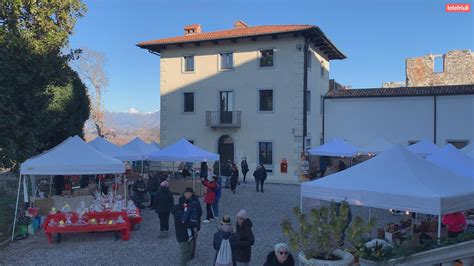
x=104 y=146
x=471 y=154
x=423 y=148
x=451 y=158
x=377 y=146
x=71 y=157
x=396 y=179
x=156 y=144
x=184 y=151
x=468 y=148
x=335 y=147
x=140 y=147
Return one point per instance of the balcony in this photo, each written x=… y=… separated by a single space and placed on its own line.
x=223 y=119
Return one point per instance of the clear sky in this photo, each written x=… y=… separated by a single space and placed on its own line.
x=375 y=35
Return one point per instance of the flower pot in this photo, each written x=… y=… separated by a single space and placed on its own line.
x=346 y=259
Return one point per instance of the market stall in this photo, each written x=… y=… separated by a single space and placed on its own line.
x=450 y=158
x=121 y=153
x=423 y=148
x=72 y=157
x=140 y=148
x=338 y=149
x=184 y=151
x=396 y=179
x=377 y=146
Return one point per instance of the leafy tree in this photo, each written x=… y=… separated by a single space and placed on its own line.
x=38 y=90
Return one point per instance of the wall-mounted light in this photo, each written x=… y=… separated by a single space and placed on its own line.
x=299 y=46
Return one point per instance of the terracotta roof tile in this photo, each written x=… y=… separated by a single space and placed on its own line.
x=402 y=91
x=243 y=32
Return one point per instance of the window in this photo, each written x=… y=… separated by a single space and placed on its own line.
x=266 y=100
x=265 y=153
x=227 y=60
x=438 y=64
x=189 y=63
x=458 y=143
x=189 y=102
x=411 y=142
x=308 y=101
x=266 y=58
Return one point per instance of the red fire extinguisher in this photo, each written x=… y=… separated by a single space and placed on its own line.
x=283 y=166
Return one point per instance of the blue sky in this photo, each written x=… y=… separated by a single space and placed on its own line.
x=375 y=35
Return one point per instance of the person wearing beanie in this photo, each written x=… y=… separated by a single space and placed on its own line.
x=245 y=237
x=164 y=204
x=225 y=233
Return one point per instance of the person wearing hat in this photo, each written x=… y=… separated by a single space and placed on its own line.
x=246 y=239
x=185 y=246
x=192 y=216
x=164 y=204
x=225 y=233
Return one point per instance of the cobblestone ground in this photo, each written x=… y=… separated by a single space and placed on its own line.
x=145 y=247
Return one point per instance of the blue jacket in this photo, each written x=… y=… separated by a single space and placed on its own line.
x=193 y=214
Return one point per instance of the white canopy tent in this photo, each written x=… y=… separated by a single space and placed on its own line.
x=377 y=146
x=184 y=151
x=156 y=144
x=71 y=157
x=140 y=147
x=335 y=147
x=396 y=179
x=451 y=158
x=469 y=148
x=471 y=154
x=423 y=148
x=104 y=146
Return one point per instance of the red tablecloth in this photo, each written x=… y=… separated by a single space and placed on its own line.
x=123 y=228
x=135 y=219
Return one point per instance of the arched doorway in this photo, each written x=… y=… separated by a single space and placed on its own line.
x=226 y=149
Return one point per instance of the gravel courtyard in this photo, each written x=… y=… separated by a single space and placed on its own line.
x=145 y=247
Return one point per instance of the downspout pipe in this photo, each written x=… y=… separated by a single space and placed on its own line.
x=434 y=118
x=324 y=115
x=305 y=91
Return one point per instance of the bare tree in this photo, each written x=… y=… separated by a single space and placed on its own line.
x=91 y=67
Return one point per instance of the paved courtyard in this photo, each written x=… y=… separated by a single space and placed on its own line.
x=266 y=210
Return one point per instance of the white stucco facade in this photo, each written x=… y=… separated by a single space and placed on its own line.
x=283 y=126
x=400 y=119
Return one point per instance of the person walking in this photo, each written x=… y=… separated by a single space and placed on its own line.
x=153 y=186
x=185 y=246
x=260 y=175
x=244 y=167
x=164 y=204
x=280 y=255
x=246 y=239
x=225 y=243
x=192 y=216
x=227 y=172
x=209 y=198
x=234 y=178
x=215 y=205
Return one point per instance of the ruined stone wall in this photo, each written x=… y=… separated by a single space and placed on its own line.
x=458 y=69
x=394 y=84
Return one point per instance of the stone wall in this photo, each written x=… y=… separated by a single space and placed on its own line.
x=458 y=68
x=394 y=84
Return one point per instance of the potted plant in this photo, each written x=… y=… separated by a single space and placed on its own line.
x=319 y=235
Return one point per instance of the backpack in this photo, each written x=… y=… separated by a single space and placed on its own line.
x=224 y=256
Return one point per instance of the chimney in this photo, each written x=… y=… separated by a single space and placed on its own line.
x=239 y=24
x=192 y=29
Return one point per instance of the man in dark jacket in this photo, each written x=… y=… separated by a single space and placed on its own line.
x=203 y=170
x=153 y=186
x=139 y=192
x=246 y=239
x=245 y=168
x=227 y=172
x=260 y=175
x=182 y=234
x=195 y=210
x=164 y=204
x=234 y=178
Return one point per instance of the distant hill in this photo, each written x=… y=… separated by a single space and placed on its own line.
x=126 y=125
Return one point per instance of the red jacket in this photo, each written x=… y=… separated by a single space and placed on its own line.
x=211 y=186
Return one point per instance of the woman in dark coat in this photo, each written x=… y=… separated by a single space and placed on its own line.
x=244 y=166
x=164 y=204
x=280 y=255
x=246 y=238
x=234 y=177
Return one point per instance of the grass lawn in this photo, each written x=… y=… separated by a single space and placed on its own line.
x=6 y=215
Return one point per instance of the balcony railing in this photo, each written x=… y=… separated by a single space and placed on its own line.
x=223 y=119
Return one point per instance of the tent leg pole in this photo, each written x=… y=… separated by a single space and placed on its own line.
x=142 y=168
x=25 y=190
x=16 y=206
x=194 y=176
x=301 y=202
x=50 y=185
x=125 y=185
x=439 y=229
x=351 y=162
